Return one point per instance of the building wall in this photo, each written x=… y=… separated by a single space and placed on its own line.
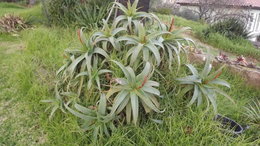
x=193 y=8
x=168 y=1
x=254 y=23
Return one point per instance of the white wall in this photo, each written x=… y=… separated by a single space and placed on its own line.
x=168 y=1
x=193 y=8
x=254 y=24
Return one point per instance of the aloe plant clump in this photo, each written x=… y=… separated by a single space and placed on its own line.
x=204 y=84
x=134 y=90
x=118 y=62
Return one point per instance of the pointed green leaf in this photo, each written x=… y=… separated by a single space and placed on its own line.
x=102 y=105
x=195 y=95
x=83 y=109
x=135 y=106
x=147 y=101
x=128 y=112
x=118 y=100
x=220 y=82
x=145 y=72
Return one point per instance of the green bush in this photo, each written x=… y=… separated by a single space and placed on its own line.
x=83 y=13
x=231 y=28
x=187 y=14
x=60 y=11
x=91 y=14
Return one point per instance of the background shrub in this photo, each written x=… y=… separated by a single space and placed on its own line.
x=91 y=14
x=230 y=28
x=187 y=14
x=166 y=11
x=60 y=11
x=78 y=12
x=162 y=7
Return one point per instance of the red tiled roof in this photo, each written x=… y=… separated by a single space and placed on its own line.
x=242 y=3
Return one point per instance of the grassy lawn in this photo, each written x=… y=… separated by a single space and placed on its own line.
x=33 y=14
x=28 y=64
x=10 y=8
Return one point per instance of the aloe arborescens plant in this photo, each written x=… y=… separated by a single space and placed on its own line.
x=134 y=90
x=204 y=85
x=127 y=37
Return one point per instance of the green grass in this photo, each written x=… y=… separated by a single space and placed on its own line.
x=239 y=46
x=28 y=76
x=33 y=14
x=10 y=8
x=179 y=21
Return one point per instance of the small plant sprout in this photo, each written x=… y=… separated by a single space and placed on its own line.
x=96 y=120
x=94 y=74
x=252 y=111
x=54 y=104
